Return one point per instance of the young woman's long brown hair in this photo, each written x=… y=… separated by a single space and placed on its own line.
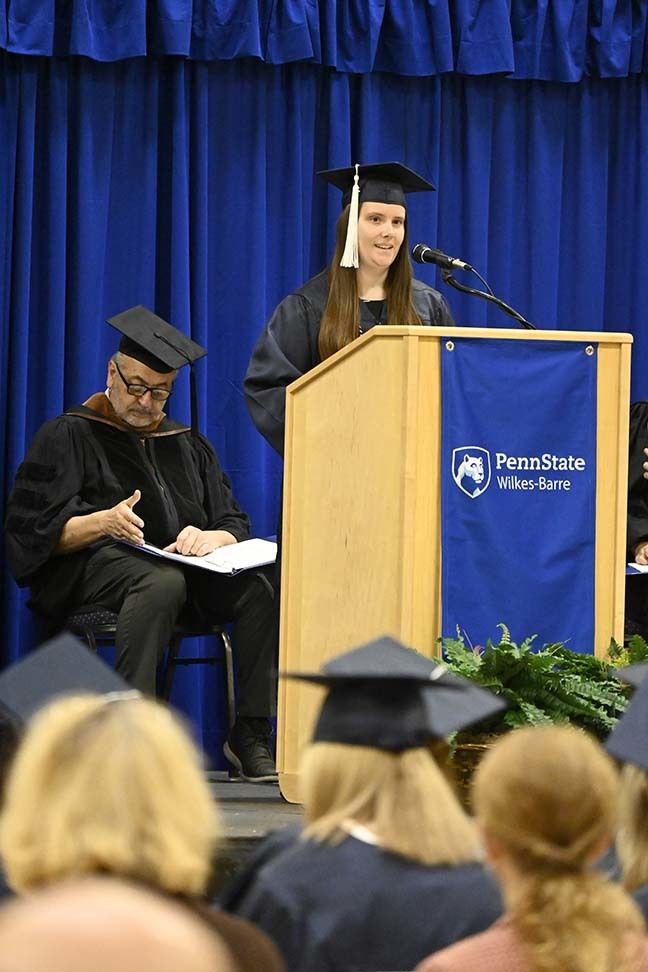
x=547 y=798
x=341 y=318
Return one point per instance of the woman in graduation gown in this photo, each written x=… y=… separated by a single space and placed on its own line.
x=368 y=282
x=387 y=869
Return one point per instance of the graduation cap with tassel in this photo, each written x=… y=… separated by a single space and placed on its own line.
x=382 y=182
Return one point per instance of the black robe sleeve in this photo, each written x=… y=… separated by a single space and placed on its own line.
x=637 y=485
x=431 y=306
x=286 y=349
x=47 y=492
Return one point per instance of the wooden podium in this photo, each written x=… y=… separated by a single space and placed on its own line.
x=362 y=511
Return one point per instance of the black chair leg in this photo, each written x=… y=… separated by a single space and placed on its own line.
x=169 y=668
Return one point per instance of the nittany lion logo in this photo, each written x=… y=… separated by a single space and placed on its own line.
x=471 y=469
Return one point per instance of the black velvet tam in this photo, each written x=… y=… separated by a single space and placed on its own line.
x=391 y=697
x=151 y=340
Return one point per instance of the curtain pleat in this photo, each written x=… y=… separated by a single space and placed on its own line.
x=552 y=40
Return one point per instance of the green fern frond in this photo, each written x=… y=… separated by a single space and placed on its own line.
x=527 y=644
x=506 y=634
x=637 y=649
x=543 y=685
x=532 y=715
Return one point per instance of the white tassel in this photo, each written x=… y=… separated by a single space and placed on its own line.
x=350 y=255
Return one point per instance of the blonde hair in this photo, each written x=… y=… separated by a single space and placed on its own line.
x=548 y=796
x=404 y=798
x=108 y=787
x=632 y=836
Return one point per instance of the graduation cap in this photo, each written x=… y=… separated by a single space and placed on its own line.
x=385 y=695
x=62 y=666
x=384 y=182
x=628 y=741
x=159 y=345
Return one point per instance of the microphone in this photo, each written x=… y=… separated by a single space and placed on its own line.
x=425 y=254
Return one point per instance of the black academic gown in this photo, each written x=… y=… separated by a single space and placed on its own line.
x=355 y=908
x=288 y=348
x=82 y=462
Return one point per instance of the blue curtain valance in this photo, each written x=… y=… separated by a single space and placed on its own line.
x=553 y=40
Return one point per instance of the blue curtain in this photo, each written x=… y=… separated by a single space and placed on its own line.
x=551 y=40
x=189 y=185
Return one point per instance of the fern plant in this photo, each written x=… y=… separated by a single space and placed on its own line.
x=634 y=650
x=546 y=685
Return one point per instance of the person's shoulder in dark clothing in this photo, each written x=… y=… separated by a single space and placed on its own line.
x=274 y=843
x=353 y=905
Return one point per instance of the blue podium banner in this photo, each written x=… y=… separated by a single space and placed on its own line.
x=519 y=489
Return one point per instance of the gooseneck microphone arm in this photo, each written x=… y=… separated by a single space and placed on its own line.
x=449 y=279
x=446 y=264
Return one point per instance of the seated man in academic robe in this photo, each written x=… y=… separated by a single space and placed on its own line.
x=118 y=469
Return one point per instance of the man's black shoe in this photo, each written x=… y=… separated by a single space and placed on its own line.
x=248 y=749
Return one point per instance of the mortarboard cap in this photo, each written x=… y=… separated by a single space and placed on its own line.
x=628 y=741
x=159 y=345
x=390 y=697
x=62 y=666
x=384 y=182
x=154 y=342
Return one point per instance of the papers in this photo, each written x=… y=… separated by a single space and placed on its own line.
x=224 y=560
x=637 y=569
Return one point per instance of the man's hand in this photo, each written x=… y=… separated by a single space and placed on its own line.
x=121 y=523
x=193 y=542
x=645 y=468
x=641 y=552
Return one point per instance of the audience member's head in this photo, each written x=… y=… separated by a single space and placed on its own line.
x=106 y=926
x=108 y=786
x=371 y=761
x=404 y=798
x=546 y=801
x=61 y=665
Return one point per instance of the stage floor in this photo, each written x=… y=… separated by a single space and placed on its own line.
x=248 y=812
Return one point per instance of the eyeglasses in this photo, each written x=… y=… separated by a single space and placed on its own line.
x=157 y=394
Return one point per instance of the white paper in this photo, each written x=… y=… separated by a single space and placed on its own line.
x=224 y=560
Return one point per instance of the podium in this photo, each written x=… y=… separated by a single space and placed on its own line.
x=362 y=504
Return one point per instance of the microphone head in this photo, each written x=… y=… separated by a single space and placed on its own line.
x=418 y=252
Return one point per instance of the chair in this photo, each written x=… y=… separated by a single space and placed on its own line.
x=96 y=625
